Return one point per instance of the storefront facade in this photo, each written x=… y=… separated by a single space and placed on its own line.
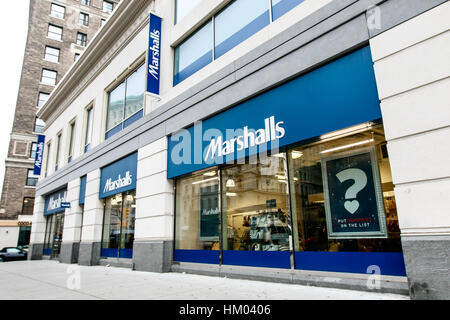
x=277 y=158
x=310 y=190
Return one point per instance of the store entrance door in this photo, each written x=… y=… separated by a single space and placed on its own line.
x=57 y=236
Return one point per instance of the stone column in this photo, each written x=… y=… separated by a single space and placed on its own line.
x=413 y=77
x=91 y=235
x=37 y=230
x=72 y=225
x=153 y=244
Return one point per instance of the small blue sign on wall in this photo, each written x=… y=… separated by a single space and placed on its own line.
x=353 y=197
x=39 y=155
x=154 y=55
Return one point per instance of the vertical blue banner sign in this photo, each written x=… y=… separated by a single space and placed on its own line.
x=39 y=155
x=154 y=55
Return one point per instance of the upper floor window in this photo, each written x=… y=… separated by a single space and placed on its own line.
x=47 y=159
x=76 y=56
x=84 y=19
x=48 y=77
x=32 y=179
x=58 y=149
x=125 y=102
x=51 y=54
x=81 y=39
x=71 y=140
x=57 y=11
x=86 y=2
x=88 y=134
x=183 y=7
x=33 y=150
x=27 y=206
x=238 y=21
x=102 y=22
x=43 y=97
x=54 y=32
x=39 y=125
x=108 y=6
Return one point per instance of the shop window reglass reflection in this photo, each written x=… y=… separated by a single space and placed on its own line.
x=343 y=196
x=118 y=225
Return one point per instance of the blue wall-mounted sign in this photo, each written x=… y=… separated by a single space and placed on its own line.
x=65 y=205
x=54 y=201
x=154 y=55
x=82 y=193
x=39 y=155
x=340 y=94
x=353 y=200
x=119 y=177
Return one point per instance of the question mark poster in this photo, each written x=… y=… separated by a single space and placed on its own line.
x=353 y=197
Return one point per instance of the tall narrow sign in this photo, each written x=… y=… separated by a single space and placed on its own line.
x=154 y=55
x=39 y=155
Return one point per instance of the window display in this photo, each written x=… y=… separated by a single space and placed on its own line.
x=341 y=189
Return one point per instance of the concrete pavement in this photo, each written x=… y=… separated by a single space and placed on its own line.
x=52 y=280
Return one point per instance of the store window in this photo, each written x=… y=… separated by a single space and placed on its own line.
x=342 y=198
x=197 y=215
x=126 y=102
x=53 y=235
x=336 y=195
x=118 y=225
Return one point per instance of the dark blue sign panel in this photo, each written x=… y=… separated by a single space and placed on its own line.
x=209 y=213
x=338 y=95
x=39 y=155
x=65 y=205
x=53 y=202
x=154 y=54
x=353 y=199
x=119 y=177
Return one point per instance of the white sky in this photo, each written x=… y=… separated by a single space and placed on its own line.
x=14 y=28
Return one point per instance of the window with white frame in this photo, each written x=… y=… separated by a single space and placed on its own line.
x=48 y=77
x=51 y=54
x=57 y=11
x=54 y=32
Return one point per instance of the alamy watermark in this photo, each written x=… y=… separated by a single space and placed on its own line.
x=373 y=16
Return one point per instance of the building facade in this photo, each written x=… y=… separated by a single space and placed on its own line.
x=283 y=140
x=58 y=32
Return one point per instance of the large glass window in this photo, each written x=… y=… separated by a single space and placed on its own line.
x=237 y=22
x=118 y=225
x=183 y=8
x=332 y=195
x=193 y=54
x=197 y=213
x=126 y=102
x=254 y=206
x=332 y=214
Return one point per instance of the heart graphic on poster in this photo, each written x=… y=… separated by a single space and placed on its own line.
x=351 y=206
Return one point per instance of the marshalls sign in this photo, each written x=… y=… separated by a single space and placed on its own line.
x=154 y=55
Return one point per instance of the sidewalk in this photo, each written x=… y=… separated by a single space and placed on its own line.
x=52 y=280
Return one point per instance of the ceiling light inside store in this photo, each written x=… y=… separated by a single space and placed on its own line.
x=206 y=180
x=346 y=131
x=231 y=194
x=210 y=173
x=348 y=146
x=296 y=154
x=278 y=155
x=230 y=183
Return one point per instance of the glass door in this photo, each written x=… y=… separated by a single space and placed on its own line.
x=57 y=235
x=118 y=225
